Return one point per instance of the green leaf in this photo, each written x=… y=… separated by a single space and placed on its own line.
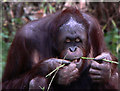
x=118 y=48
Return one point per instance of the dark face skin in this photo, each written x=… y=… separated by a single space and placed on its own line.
x=72 y=40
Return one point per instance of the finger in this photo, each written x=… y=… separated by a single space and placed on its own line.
x=100 y=57
x=71 y=66
x=96 y=77
x=79 y=64
x=65 y=62
x=74 y=75
x=94 y=72
x=73 y=78
x=62 y=61
x=104 y=56
x=105 y=66
x=74 y=72
x=95 y=65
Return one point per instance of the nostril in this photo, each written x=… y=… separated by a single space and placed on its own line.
x=73 y=49
x=70 y=49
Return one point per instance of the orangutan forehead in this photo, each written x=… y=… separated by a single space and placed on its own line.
x=73 y=23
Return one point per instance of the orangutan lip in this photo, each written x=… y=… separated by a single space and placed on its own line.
x=79 y=63
x=77 y=60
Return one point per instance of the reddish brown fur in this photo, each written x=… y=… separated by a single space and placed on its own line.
x=41 y=35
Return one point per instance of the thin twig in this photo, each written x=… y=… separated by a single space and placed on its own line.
x=110 y=61
x=42 y=88
x=65 y=55
x=55 y=70
x=52 y=80
x=101 y=59
x=87 y=58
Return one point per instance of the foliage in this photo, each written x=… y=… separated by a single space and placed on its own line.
x=112 y=42
x=0 y=56
x=5 y=46
x=48 y=7
x=7 y=39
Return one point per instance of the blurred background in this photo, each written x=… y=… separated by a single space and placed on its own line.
x=16 y=14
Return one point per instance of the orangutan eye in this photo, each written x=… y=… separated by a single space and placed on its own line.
x=77 y=40
x=67 y=40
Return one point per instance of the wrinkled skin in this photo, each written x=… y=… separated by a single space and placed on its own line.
x=36 y=83
x=68 y=74
x=101 y=72
x=65 y=76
